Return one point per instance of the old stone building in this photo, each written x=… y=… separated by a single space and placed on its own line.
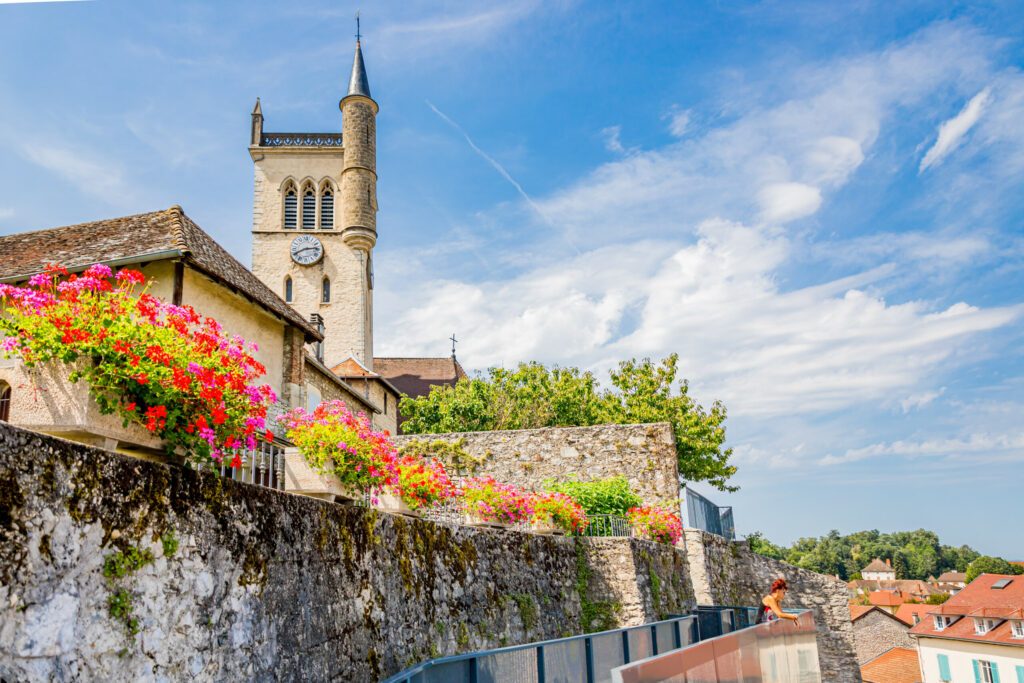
x=876 y=631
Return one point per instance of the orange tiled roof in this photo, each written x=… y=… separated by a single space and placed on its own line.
x=980 y=599
x=857 y=611
x=886 y=598
x=898 y=665
x=907 y=611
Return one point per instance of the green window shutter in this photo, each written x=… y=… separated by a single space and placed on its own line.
x=1020 y=674
x=995 y=672
x=944 y=669
x=977 y=671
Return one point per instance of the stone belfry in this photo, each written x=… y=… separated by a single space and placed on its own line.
x=315 y=219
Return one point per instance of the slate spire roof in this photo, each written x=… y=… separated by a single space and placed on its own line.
x=358 y=84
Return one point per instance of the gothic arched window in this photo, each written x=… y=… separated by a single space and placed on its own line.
x=291 y=209
x=5 y=401
x=288 y=288
x=326 y=208
x=325 y=291
x=308 y=209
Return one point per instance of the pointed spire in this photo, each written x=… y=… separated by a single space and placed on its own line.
x=257 y=111
x=358 y=83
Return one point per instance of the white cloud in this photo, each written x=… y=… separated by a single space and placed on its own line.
x=678 y=121
x=91 y=176
x=951 y=133
x=611 y=139
x=784 y=202
x=977 y=448
x=920 y=400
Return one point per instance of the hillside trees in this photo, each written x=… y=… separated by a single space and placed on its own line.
x=991 y=565
x=914 y=554
x=533 y=395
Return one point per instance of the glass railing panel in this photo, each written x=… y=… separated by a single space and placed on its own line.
x=565 y=662
x=640 y=643
x=665 y=636
x=448 y=672
x=607 y=654
x=508 y=666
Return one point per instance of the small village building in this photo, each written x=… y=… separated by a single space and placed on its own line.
x=976 y=635
x=876 y=631
x=878 y=571
x=415 y=377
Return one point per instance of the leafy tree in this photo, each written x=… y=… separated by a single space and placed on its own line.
x=937 y=598
x=532 y=395
x=991 y=565
x=762 y=546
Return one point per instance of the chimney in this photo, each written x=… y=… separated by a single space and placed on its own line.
x=888 y=562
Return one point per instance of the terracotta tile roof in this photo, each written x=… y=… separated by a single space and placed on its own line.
x=886 y=598
x=415 y=376
x=877 y=565
x=912 y=587
x=898 y=665
x=857 y=611
x=952 y=577
x=907 y=611
x=350 y=367
x=980 y=599
x=131 y=239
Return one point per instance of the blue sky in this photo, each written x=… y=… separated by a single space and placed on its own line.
x=818 y=205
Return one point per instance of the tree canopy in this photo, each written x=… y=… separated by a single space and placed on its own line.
x=533 y=395
x=991 y=565
x=914 y=554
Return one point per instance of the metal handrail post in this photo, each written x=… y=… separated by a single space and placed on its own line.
x=540 y=664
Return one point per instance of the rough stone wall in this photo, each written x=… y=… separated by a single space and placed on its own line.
x=264 y=585
x=645 y=454
x=729 y=573
x=876 y=633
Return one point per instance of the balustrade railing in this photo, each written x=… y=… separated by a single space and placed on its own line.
x=705 y=515
x=262 y=466
x=301 y=140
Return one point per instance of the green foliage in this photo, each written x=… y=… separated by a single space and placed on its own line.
x=914 y=554
x=611 y=496
x=120 y=564
x=120 y=608
x=527 y=610
x=170 y=544
x=532 y=395
x=936 y=598
x=991 y=565
x=594 y=616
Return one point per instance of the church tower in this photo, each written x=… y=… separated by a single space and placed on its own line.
x=315 y=220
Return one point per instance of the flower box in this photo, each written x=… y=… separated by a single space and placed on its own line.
x=391 y=502
x=545 y=527
x=478 y=521
x=300 y=478
x=52 y=404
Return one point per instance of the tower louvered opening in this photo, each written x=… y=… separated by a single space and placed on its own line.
x=308 y=210
x=291 y=210
x=327 y=209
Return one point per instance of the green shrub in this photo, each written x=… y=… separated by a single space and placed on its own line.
x=611 y=496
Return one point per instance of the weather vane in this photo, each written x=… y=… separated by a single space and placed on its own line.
x=358 y=34
x=454 y=340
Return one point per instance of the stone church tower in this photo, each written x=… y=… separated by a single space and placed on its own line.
x=315 y=220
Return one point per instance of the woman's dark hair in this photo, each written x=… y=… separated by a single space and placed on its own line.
x=779 y=584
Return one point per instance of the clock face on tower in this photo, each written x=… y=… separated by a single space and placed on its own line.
x=306 y=250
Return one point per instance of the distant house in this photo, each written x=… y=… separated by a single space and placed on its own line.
x=977 y=635
x=416 y=377
x=878 y=571
x=889 y=601
x=911 y=589
x=950 y=582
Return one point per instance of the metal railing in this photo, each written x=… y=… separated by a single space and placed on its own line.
x=300 y=140
x=775 y=652
x=608 y=525
x=701 y=513
x=587 y=658
x=263 y=466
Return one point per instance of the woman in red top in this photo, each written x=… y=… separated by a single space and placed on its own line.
x=771 y=604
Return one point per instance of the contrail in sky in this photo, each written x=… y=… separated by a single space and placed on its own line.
x=497 y=167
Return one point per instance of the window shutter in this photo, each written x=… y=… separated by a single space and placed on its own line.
x=977 y=671
x=1020 y=674
x=995 y=671
x=944 y=669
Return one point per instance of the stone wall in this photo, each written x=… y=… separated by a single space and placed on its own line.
x=228 y=581
x=645 y=454
x=877 y=632
x=729 y=573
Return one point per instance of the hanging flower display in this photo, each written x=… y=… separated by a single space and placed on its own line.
x=493 y=501
x=656 y=524
x=559 y=510
x=153 y=363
